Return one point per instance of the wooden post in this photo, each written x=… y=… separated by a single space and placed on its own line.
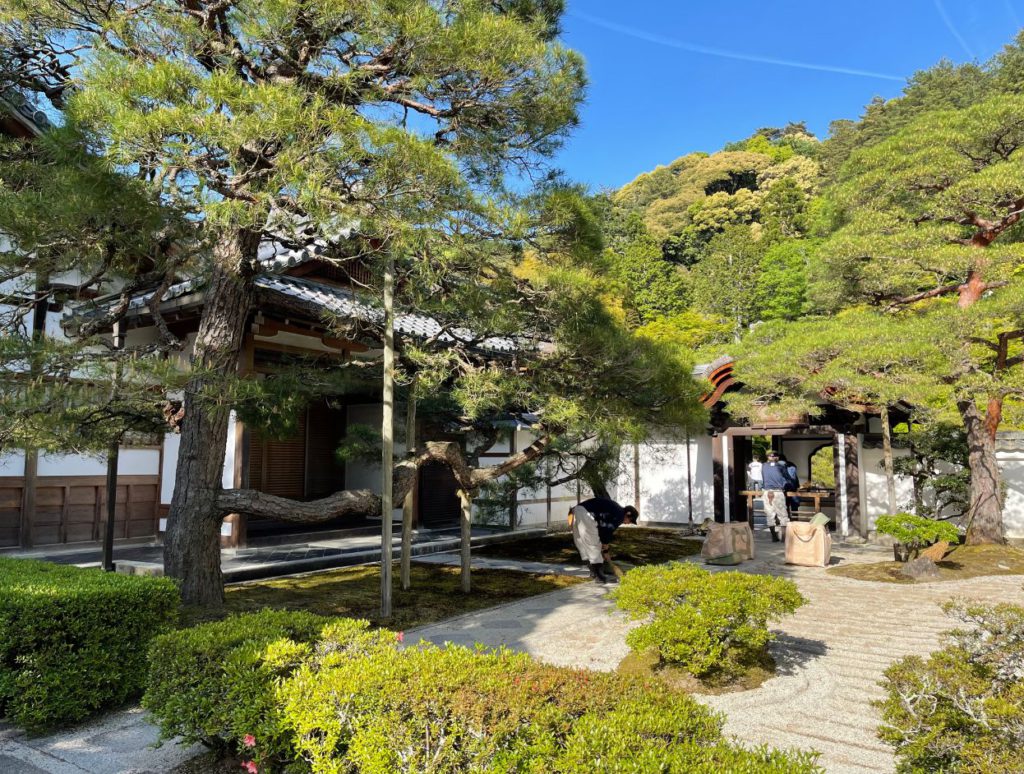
x=890 y=475
x=718 y=477
x=407 y=506
x=30 y=476
x=689 y=484
x=636 y=476
x=388 y=437
x=727 y=476
x=465 y=535
x=113 y=453
x=108 y=532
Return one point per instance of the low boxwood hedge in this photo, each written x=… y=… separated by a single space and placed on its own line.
x=74 y=641
x=284 y=696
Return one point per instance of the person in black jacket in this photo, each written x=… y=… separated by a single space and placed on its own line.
x=594 y=522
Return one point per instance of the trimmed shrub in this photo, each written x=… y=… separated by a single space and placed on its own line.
x=916 y=532
x=962 y=708
x=217 y=683
x=455 y=709
x=713 y=625
x=73 y=641
x=293 y=692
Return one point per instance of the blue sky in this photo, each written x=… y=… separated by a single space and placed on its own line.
x=670 y=77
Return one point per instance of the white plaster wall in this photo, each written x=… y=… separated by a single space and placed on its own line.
x=874 y=492
x=665 y=480
x=53 y=327
x=797 y=451
x=12 y=464
x=130 y=462
x=1011 y=462
x=531 y=514
x=362 y=474
x=172 y=441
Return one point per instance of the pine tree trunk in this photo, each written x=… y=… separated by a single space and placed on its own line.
x=192 y=543
x=986 y=502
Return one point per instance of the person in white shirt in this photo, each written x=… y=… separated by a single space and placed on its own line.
x=754 y=474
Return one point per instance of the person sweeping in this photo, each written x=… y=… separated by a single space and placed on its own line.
x=593 y=523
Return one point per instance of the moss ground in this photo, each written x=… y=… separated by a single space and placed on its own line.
x=355 y=592
x=960 y=563
x=632 y=545
x=648 y=664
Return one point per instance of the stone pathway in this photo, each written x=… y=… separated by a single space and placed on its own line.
x=117 y=743
x=831 y=653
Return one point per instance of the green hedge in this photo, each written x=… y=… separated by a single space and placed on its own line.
x=293 y=692
x=216 y=683
x=74 y=641
x=713 y=625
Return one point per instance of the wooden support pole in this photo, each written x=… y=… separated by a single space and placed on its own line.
x=465 y=535
x=890 y=475
x=407 y=506
x=388 y=438
x=108 y=532
x=113 y=452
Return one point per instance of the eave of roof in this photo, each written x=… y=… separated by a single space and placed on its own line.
x=277 y=259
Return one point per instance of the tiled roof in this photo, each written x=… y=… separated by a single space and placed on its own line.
x=346 y=304
x=706 y=369
x=25 y=112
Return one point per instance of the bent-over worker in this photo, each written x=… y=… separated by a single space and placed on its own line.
x=594 y=522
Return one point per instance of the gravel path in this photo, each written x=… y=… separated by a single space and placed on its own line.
x=831 y=653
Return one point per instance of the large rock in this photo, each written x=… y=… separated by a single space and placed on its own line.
x=920 y=569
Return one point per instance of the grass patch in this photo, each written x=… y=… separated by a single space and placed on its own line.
x=355 y=592
x=648 y=664
x=632 y=545
x=960 y=563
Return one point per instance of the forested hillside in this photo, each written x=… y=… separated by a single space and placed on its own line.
x=884 y=263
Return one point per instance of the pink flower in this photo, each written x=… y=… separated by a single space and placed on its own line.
x=400 y=636
x=251 y=767
x=249 y=740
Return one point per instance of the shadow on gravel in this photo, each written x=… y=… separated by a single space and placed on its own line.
x=791 y=652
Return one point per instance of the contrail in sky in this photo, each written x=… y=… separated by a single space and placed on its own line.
x=661 y=40
x=952 y=28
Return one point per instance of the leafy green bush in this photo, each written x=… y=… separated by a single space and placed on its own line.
x=916 y=532
x=713 y=625
x=294 y=692
x=962 y=708
x=73 y=641
x=455 y=709
x=217 y=683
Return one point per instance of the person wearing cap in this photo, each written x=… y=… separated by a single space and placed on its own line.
x=593 y=523
x=775 y=475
